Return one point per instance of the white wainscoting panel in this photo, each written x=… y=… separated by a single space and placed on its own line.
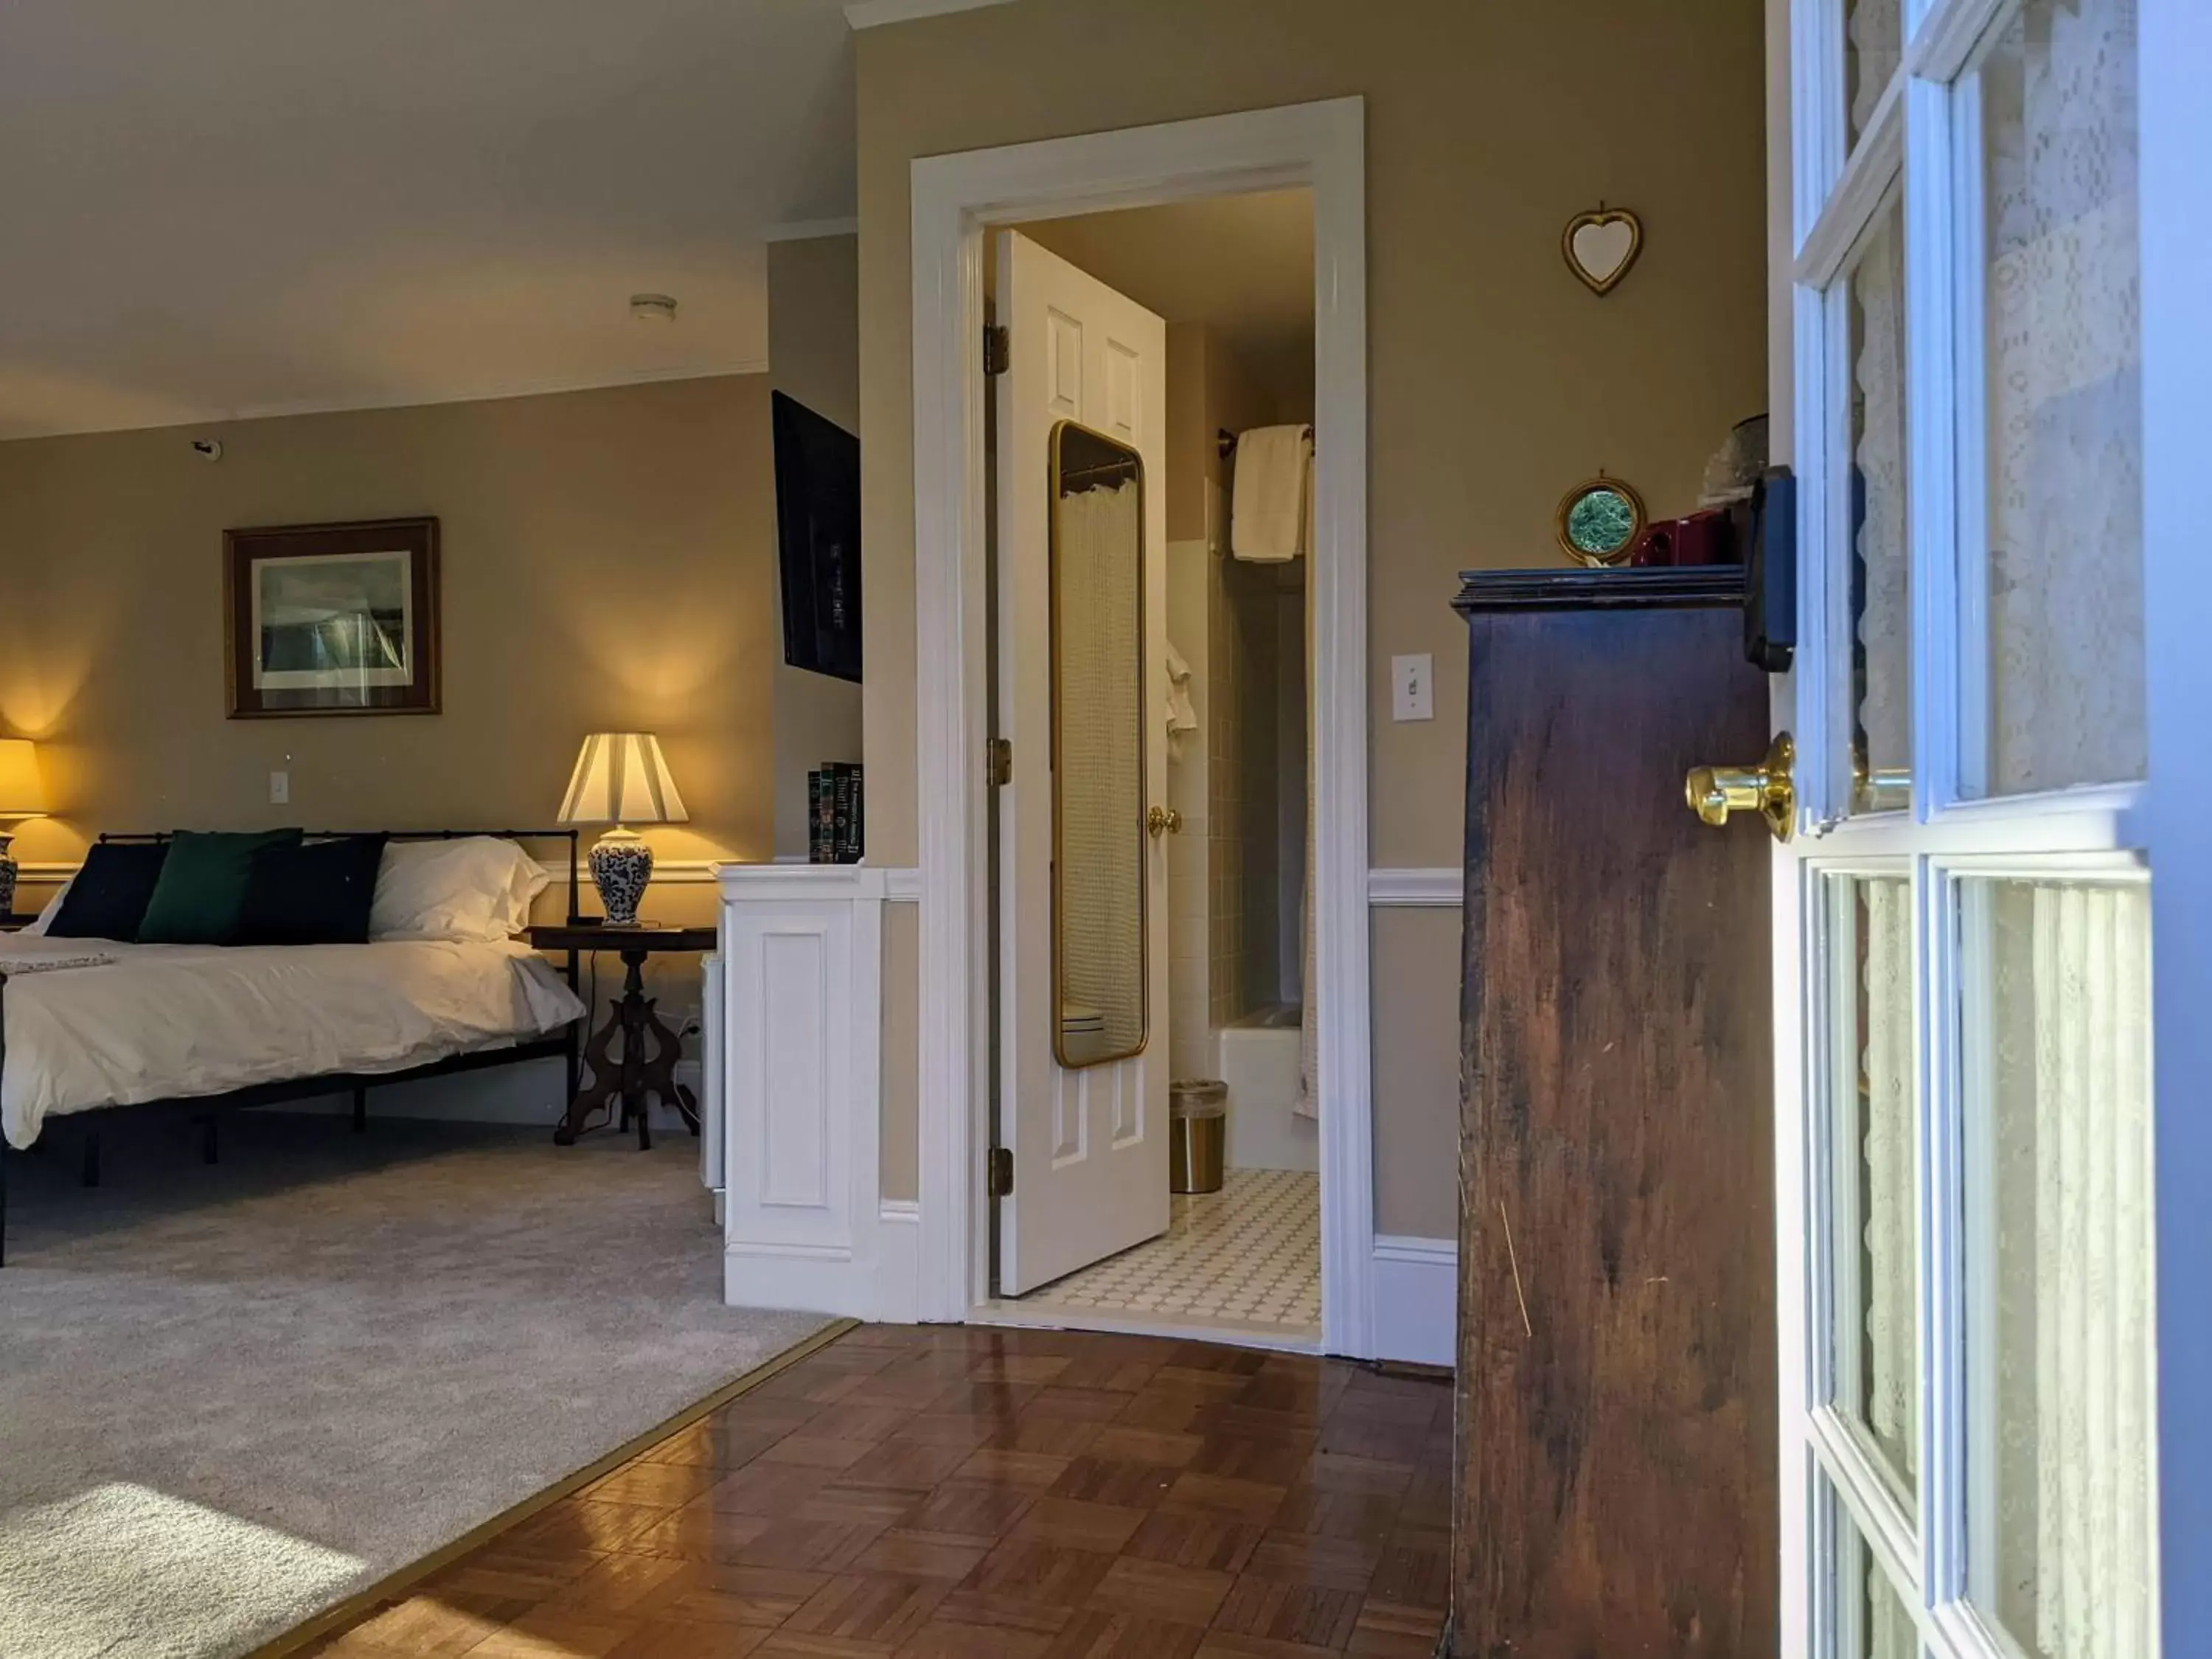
x=1416 y=1298
x=802 y=970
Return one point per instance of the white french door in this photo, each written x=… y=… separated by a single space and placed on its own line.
x=1970 y=1325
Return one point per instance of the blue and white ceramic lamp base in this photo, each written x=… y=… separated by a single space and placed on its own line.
x=622 y=864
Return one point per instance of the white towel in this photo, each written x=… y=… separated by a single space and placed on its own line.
x=1183 y=715
x=1266 y=511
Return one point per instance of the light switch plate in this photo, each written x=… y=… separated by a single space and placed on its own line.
x=279 y=788
x=1413 y=694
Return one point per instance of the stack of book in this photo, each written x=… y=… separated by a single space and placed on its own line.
x=833 y=796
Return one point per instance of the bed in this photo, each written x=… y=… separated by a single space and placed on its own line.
x=89 y=1025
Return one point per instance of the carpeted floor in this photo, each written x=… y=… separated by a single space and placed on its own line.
x=230 y=1397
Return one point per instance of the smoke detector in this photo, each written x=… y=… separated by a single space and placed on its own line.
x=653 y=307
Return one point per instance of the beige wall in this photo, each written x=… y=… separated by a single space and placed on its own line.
x=1496 y=381
x=814 y=355
x=899 y=1110
x=607 y=562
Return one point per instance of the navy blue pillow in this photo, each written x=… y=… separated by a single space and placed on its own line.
x=316 y=892
x=108 y=898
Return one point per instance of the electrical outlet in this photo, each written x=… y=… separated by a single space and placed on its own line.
x=279 y=788
x=1412 y=695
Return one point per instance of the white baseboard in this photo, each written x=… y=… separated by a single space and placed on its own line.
x=879 y=1280
x=1416 y=1299
x=898 y=1265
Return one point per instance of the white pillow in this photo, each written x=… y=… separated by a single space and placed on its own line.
x=475 y=889
x=36 y=929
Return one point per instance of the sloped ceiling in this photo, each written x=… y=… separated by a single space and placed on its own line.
x=222 y=208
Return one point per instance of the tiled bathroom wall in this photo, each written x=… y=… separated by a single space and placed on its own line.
x=1226 y=781
x=1190 y=942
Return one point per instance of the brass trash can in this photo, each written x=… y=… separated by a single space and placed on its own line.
x=1198 y=1135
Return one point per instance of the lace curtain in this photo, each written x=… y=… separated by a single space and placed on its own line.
x=1873 y=36
x=1881 y=567
x=2065 y=430
x=1889 y=1262
x=2064 y=1552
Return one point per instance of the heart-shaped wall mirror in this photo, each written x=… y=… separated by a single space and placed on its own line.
x=1601 y=246
x=1599 y=521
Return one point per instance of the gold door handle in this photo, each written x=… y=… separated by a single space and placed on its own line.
x=1163 y=821
x=1768 y=789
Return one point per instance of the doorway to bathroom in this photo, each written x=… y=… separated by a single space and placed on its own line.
x=1151 y=426
x=1078 y=1174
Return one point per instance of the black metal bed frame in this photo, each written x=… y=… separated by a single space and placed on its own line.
x=567 y=1046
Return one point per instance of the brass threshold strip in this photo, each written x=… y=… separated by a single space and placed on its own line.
x=391 y=1587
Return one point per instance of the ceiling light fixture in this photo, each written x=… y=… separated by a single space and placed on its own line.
x=653 y=307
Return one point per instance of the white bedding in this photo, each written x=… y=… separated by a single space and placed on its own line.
x=154 y=1021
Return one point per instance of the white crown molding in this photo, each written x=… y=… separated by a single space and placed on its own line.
x=808 y=230
x=546 y=388
x=1442 y=888
x=874 y=14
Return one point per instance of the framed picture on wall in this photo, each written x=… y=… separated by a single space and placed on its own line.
x=331 y=618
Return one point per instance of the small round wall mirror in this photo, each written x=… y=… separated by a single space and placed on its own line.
x=1599 y=521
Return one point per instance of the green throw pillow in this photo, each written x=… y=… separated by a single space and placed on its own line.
x=203 y=885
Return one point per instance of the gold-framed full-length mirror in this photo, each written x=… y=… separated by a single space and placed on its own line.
x=1099 y=923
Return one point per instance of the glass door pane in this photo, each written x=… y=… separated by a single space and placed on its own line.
x=1873 y=47
x=1878 y=564
x=1871 y=1619
x=2064 y=421
x=1874 y=1214
x=1890 y=1632
x=2062 y=1525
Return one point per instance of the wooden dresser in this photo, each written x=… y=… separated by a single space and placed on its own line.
x=1616 y=1487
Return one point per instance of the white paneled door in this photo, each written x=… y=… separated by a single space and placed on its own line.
x=1088 y=1143
x=1970 y=1332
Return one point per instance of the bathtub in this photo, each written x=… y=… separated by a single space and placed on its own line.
x=1260 y=1064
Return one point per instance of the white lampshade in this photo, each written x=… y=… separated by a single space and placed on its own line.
x=22 y=791
x=621 y=778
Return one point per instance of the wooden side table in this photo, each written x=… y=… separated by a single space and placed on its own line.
x=649 y=1048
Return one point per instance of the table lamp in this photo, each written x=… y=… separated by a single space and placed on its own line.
x=621 y=780
x=22 y=795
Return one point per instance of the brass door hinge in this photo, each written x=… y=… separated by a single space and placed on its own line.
x=998 y=349
x=999 y=1172
x=999 y=762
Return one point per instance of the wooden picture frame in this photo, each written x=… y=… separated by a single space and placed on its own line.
x=332 y=619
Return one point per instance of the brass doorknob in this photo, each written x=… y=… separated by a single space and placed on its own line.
x=1163 y=821
x=1768 y=789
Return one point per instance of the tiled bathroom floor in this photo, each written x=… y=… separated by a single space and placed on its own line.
x=1247 y=1255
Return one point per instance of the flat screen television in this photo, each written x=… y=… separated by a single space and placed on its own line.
x=817 y=518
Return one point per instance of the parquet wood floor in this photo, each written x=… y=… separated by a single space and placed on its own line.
x=950 y=1492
